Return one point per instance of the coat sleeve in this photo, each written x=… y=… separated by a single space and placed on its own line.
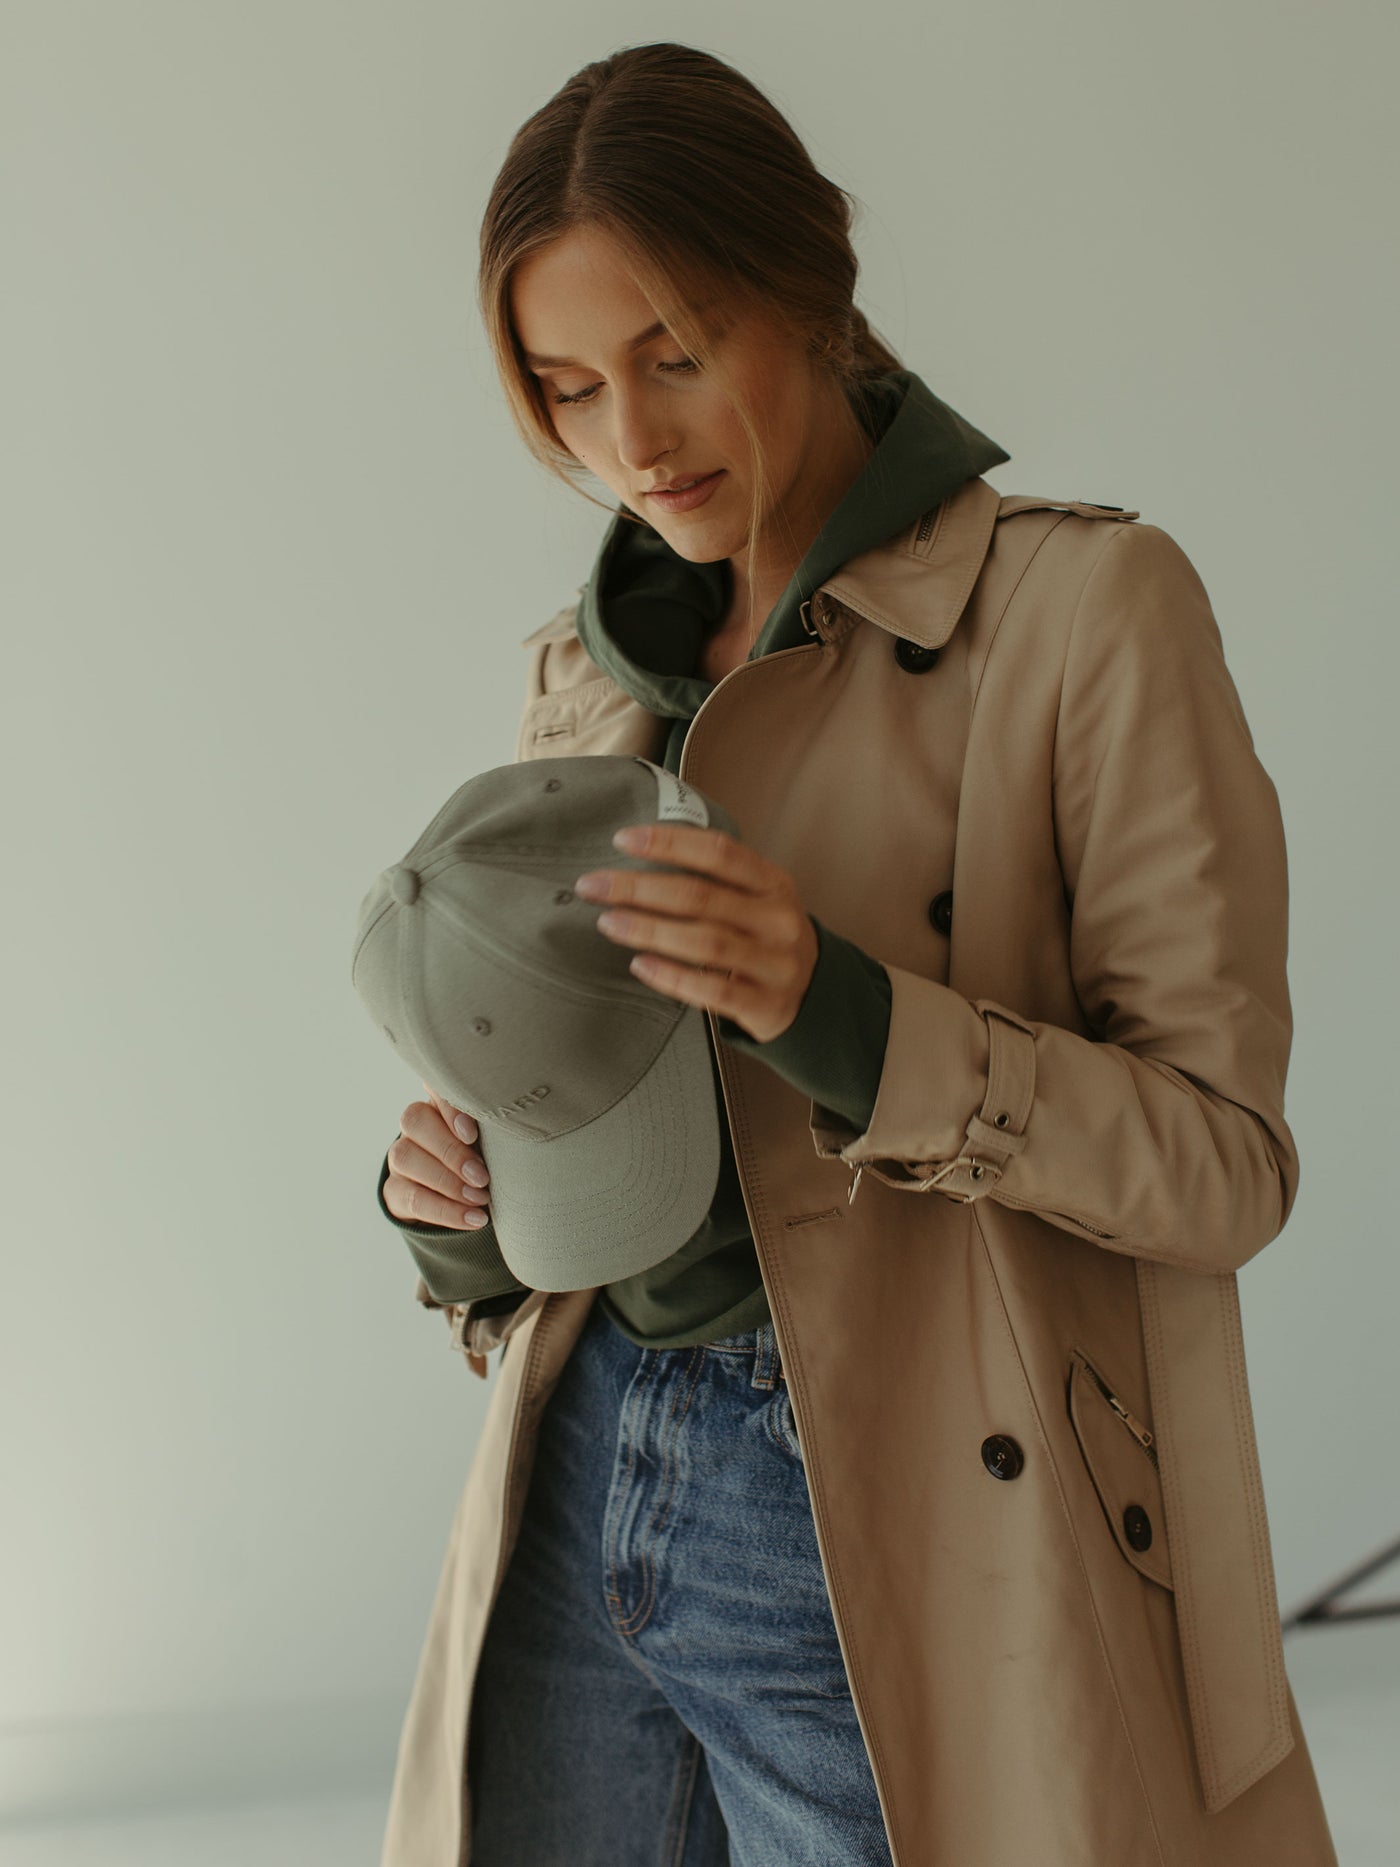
x=1162 y=1135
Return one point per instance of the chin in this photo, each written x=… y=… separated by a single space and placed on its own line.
x=697 y=544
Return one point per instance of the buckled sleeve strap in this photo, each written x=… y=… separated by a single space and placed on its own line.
x=997 y=1132
x=954 y=1099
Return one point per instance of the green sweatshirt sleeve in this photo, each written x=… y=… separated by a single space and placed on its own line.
x=457 y=1267
x=834 y=1049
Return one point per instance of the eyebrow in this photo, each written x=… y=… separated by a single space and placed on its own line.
x=633 y=343
x=568 y=363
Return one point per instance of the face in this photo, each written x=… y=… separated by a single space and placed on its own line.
x=642 y=414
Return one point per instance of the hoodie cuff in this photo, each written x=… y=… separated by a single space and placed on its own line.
x=457 y=1267
x=834 y=1049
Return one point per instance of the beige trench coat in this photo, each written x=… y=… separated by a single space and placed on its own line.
x=1078 y=1138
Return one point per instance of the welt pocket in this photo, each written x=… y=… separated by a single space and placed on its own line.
x=1121 y=1456
x=561 y=713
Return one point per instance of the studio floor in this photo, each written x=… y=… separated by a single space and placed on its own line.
x=1346 y=1680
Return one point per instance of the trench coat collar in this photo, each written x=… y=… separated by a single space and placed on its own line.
x=645 y=609
x=917 y=584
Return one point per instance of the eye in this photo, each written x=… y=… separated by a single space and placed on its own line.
x=686 y=367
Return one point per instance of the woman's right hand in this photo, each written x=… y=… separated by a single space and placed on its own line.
x=437 y=1175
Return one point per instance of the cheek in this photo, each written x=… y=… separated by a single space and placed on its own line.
x=715 y=424
x=587 y=446
x=569 y=433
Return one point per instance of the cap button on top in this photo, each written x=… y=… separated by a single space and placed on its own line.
x=403 y=883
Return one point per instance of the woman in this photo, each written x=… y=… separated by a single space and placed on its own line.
x=870 y=1527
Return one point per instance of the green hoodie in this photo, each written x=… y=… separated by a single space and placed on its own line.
x=643 y=617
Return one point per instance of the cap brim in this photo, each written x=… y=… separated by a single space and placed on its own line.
x=623 y=1192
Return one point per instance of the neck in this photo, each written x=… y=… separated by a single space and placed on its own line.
x=758 y=587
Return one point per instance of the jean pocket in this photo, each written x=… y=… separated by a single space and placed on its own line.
x=781 y=1423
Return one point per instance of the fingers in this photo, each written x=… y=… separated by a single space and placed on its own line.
x=768 y=954
x=435 y=1178
x=457 y=1121
x=728 y=931
x=727 y=907
x=690 y=900
x=723 y=881
x=454 y=1136
x=690 y=847
x=464 y=1185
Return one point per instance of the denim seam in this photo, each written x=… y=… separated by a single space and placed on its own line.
x=611 y=1522
x=633 y=1624
x=682 y=1800
x=773 y=1419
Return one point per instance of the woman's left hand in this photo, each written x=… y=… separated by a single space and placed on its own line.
x=732 y=935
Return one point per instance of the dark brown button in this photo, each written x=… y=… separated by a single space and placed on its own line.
x=914 y=658
x=1137 y=1527
x=940 y=911
x=1001 y=1455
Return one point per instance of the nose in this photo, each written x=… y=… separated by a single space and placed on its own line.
x=644 y=430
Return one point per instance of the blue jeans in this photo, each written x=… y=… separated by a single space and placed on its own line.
x=661 y=1683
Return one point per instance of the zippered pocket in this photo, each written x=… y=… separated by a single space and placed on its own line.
x=1120 y=1452
x=1135 y=1426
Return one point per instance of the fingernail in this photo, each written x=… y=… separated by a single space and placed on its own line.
x=464 y=1129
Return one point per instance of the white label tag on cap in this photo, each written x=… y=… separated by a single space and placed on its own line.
x=676 y=802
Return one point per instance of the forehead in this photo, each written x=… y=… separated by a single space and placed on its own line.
x=576 y=299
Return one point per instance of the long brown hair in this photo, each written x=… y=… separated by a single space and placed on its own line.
x=708 y=192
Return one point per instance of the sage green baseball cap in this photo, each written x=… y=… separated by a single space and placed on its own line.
x=593 y=1092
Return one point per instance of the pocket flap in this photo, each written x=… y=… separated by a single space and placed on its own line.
x=1123 y=1469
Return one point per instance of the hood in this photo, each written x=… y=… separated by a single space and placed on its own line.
x=645 y=610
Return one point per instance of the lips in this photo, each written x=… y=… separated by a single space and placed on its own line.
x=681 y=486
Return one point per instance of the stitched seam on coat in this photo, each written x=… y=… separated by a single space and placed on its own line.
x=1073 y=1537
x=1187 y=1629
x=1001 y=616
x=508 y=1510
x=854 y=1662
x=1114 y=534
x=1121 y=1242
x=973 y=572
x=1259 y=1532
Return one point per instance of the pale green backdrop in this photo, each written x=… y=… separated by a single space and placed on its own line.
x=270 y=547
